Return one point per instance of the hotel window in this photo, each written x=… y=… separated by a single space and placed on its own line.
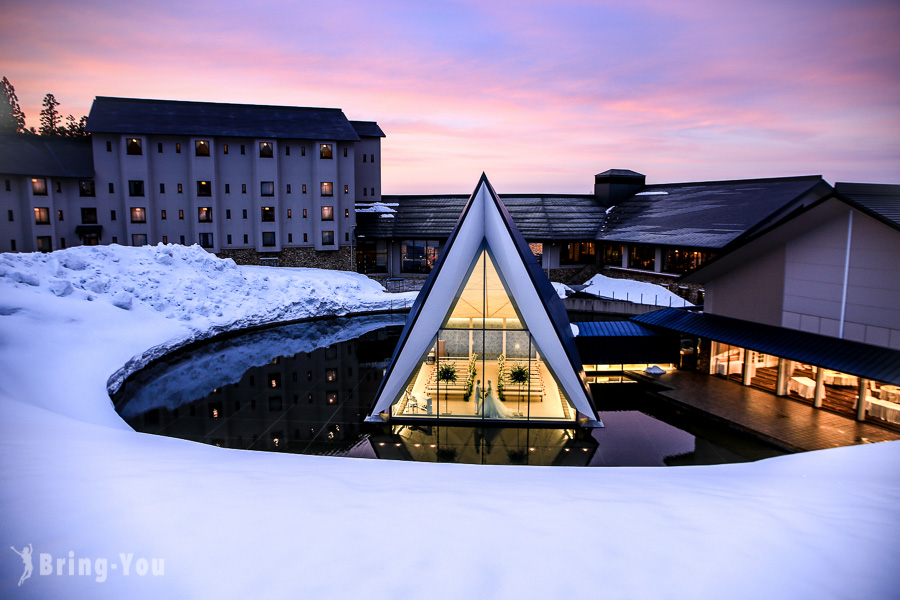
x=642 y=257
x=304 y=213
x=265 y=150
x=138 y=214
x=180 y=189
x=327 y=188
x=162 y=188
x=611 y=254
x=418 y=256
x=290 y=238
x=228 y=239
x=289 y=213
x=115 y=240
x=138 y=239
x=201 y=148
x=345 y=153
x=136 y=188
x=372 y=158
x=328 y=238
x=58 y=187
x=268 y=238
x=109 y=146
x=8 y=185
x=346 y=189
x=330 y=375
x=204 y=214
x=206 y=240
x=227 y=213
x=268 y=214
x=59 y=215
x=44 y=243
x=9 y=214
x=62 y=242
x=204 y=188
x=177 y=148
x=328 y=213
x=89 y=216
x=373 y=192
x=224 y=148
x=287 y=150
x=162 y=215
x=266 y=188
x=304 y=238
x=244 y=213
x=245 y=238
x=243 y=188
x=346 y=236
x=303 y=188
x=364 y=157
x=227 y=188
x=112 y=215
x=288 y=188
x=372 y=256
x=681 y=260
x=159 y=148
x=41 y=216
x=365 y=192
x=326 y=151
x=346 y=212
x=133 y=147
x=181 y=215
x=165 y=239
x=242 y=149
x=39 y=186
x=302 y=150
x=12 y=245
x=578 y=253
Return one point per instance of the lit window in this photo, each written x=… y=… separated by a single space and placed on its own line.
x=304 y=188
x=86 y=188
x=162 y=215
x=138 y=239
x=204 y=188
x=265 y=150
x=267 y=188
x=39 y=186
x=327 y=188
x=326 y=151
x=304 y=213
x=138 y=214
x=346 y=212
x=268 y=213
x=181 y=215
x=206 y=240
x=165 y=239
x=289 y=213
x=41 y=216
x=268 y=238
x=179 y=188
x=177 y=148
x=59 y=215
x=136 y=188
x=330 y=375
x=224 y=148
x=328 y=213
x=133 y=147
x=346 y=189
x=201 y=148
x=204 y=214
x=328 y=238
x=44 y=243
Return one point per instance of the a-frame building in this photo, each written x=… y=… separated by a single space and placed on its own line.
x=487 y=339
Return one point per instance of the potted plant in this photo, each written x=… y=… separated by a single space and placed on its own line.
x=446 y=374
x=518 y=374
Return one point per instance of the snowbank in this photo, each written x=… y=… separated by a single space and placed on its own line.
x=562 y=290
x=639 y=292
x=230 y=523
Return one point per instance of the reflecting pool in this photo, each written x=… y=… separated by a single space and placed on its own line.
x=307 y=387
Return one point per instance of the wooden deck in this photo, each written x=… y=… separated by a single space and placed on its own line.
x=789 y=423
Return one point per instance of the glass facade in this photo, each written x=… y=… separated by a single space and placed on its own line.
x=483 y=364
x=418 y=256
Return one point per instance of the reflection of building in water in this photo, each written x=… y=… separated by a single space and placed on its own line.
x=291 y=404
x=484 y=445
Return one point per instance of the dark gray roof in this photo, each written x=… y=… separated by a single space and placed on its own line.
x=883 y=200
x=855 y=358
x=175 y=117
x=48 y=156
x=706 y=214
x=620 y=173
x=538 y=217
x=367 y=129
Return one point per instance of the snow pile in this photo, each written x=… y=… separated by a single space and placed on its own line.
x=655 y=370
x=638 y=292
x=376 y=207
x=562 y=290
x=653 y=193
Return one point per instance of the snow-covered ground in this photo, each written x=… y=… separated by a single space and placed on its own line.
x=77 y=482
x=639 y=292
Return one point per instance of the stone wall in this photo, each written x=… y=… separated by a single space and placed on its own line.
x=337 y=260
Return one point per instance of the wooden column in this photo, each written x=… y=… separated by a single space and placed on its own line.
x=781 y=383
x=862 y=395
x=747 y=368
x=820 y=387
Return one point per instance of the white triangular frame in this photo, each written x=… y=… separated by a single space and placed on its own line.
x=485 y=219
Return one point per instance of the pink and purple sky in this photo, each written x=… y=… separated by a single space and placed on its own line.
x=540 y=95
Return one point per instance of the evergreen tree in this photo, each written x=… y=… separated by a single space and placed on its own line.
x=50 y=119
x=11 y=116
x=74 y=128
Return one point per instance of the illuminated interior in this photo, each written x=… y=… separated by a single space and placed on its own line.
x=483 y=364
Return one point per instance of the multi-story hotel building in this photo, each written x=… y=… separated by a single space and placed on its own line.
x=257 y=183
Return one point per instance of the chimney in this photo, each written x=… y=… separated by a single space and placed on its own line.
x=613 y=186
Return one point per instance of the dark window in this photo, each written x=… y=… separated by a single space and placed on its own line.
x=227 y=188
x=206 y=240
x=287 y=150
x=86 y=188
x=372 y=158
x=242 y=149
x=177 y=148
x=39 y=186
x=138 y=239
x=44 y=243
x=159 y=147
x=245 y=213
x=365 y=192
x=304 y=238
x=138 y=214
x=181 y=240
x=227 y=213
x=578 y=253
x=133 y=147
x=373 y=192
x=112 y=215
x=268 y=213
x=162 y=215
x=180 y=189
x=302 y=150
x=267 y=188
x=62 y=242
x=112 y=188
x=165 y=239
x=328 y=238
x=89 y=216
x=268 y=238
x=288 y=188
x=642 y=257
x=136 y=188
x=41 y=215
x=59 y=215
x=58 y=187
x=204 y=188
x=228 y=239
x=12 y=245
x=265 y=150
x=8 y=185
x=289 y=214
x=371 y=256
x=109 y=146
x=418 y=256
x=243 y=188
x=245 y=238
x=9 y=214
x=328 y=213
x=346 y=236
x=327 y=188
x=224 y=148
x=326 y=151
x=201 y=148
x=204 y=214
x=162 y=188
x=364 y=157
x=115 y=240
x=290 y=238
x=345 y=153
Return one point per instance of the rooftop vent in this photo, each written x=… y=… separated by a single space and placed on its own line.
x=615 y=185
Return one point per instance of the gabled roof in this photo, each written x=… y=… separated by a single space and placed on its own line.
x=47 y=156
x=537 y=216
x=855 y=358
x=882 y=201
x=704 y=214
x=367 y=129
x=175 y=117
x=484 y=220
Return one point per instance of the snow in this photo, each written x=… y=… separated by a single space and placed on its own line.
x=652 y=370
x=638 y=292
x=230 y=523
x=562 y=290
x=652 y=193
x=376 y=207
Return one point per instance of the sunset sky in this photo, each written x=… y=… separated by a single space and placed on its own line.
x=539 y=95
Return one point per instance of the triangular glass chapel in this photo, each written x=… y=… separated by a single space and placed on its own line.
x=487 y=339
